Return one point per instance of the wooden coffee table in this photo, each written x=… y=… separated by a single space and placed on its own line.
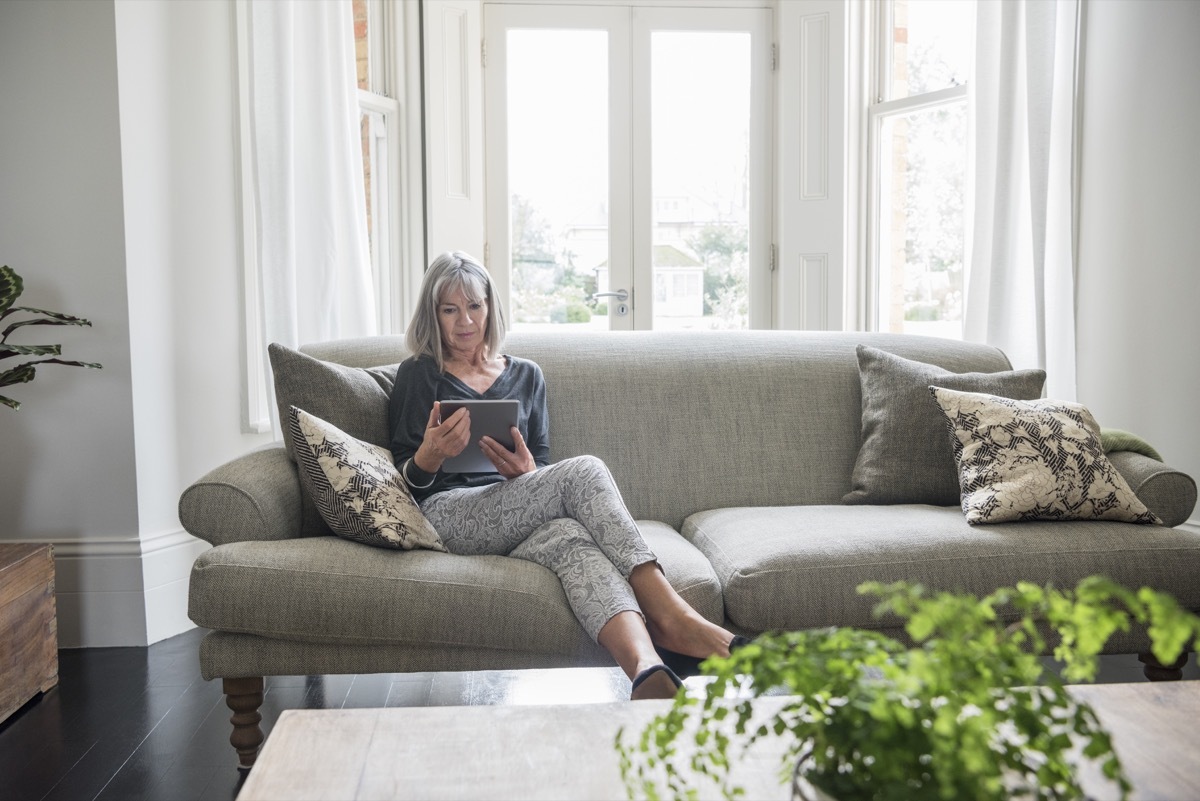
x=566 y=751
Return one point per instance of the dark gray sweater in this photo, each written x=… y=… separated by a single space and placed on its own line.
x=419 y=384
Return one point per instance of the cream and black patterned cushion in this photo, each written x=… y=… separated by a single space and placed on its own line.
x=356 y=487
x=1033 y=460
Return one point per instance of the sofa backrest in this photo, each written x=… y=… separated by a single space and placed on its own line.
x=689 y=421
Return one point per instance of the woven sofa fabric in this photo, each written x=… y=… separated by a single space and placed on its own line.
x=226 y=654
x=798 y=567
x=325 y=589
x=1167 y=492
x=253 y=497
x=689 y=421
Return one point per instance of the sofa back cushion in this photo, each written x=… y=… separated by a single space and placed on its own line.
x=689 y=421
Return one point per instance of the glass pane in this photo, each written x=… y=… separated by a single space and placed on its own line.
x=921 y=225
x=361 y=45
x=932 y=43
x=557 y=83
x=700 y=139
x=373 y=128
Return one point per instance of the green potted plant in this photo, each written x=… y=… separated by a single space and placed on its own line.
x=967 y=711
x=11 y=287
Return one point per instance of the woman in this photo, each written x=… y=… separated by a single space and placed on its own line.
x=568 y=517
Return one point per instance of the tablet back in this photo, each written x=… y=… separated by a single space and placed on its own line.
x=491 y=418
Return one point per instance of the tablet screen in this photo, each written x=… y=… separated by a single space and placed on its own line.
x=489 y=418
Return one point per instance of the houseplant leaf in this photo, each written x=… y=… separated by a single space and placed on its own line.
x=7 y=350
x=11 y=287
x=968 y=711
x=48 y=318
x=24 y=373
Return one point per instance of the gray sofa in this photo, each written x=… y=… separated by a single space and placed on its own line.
x=733 y=451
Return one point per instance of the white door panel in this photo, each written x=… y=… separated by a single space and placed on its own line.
x=629 y=149
x=454 y=135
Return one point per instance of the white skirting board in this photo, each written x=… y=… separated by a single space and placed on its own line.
x=123 y=592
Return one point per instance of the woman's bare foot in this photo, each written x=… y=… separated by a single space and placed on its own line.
x=673 y=624
x=691 y=635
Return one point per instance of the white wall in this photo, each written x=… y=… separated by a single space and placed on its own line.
x=177 y=78
x=117 y=202
x=1139 y=249
x=67 y=469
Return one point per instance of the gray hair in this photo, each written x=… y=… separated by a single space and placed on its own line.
x=450 y=272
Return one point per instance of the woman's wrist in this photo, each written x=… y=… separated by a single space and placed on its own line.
x=426 y=462
x=415 y=477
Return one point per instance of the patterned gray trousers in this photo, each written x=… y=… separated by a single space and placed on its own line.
x=568 y=517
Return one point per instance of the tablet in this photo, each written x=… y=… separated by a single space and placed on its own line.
x=489 y=418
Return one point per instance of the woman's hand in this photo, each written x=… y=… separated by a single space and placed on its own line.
x=509 y=464
x=443 y=438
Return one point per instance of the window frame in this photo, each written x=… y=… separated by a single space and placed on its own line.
x=379 y=99
x=631 y=235
x=878 y=109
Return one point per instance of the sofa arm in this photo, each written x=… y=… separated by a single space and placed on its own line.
x=253 y=497
x=1167 y=492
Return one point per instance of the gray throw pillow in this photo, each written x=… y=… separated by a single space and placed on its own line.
x=906 y=454
x=354 y=399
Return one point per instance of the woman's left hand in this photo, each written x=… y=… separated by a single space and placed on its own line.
x=509 y=464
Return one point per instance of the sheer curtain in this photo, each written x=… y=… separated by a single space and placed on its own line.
x=1021 y=276
x=314 y=267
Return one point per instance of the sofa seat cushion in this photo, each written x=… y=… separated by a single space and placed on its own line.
x=797 y=567
x=330 y=590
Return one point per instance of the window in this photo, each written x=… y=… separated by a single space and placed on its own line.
x=628 y=165
x=379 y=114
x=921 y=58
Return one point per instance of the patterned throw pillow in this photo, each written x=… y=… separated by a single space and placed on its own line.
x=356 y=487
x=1033 y=460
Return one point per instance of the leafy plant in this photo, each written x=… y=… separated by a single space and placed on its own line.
x=969 y=711
x=11 y=287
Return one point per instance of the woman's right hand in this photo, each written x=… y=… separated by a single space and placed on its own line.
x=443 y=438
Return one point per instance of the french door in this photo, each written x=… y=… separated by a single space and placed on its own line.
x=628 y=153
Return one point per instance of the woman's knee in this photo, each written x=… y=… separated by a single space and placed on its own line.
x=586 y=465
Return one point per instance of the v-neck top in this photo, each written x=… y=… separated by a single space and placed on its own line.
x=419 y=383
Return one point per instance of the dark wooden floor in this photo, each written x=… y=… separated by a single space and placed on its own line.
x=140 y=723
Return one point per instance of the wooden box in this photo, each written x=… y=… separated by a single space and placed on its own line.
x=28 y=625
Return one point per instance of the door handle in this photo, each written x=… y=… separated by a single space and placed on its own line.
x=621 y=295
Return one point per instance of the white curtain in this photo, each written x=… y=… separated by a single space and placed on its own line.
x=1021 y=275
x=313 y=257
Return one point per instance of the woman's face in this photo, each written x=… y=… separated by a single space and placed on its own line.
x=462 y=321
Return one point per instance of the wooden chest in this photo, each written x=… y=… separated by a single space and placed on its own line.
x=28 y=625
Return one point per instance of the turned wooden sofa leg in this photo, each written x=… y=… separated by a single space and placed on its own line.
x=1157 y=671
x=244 y=697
